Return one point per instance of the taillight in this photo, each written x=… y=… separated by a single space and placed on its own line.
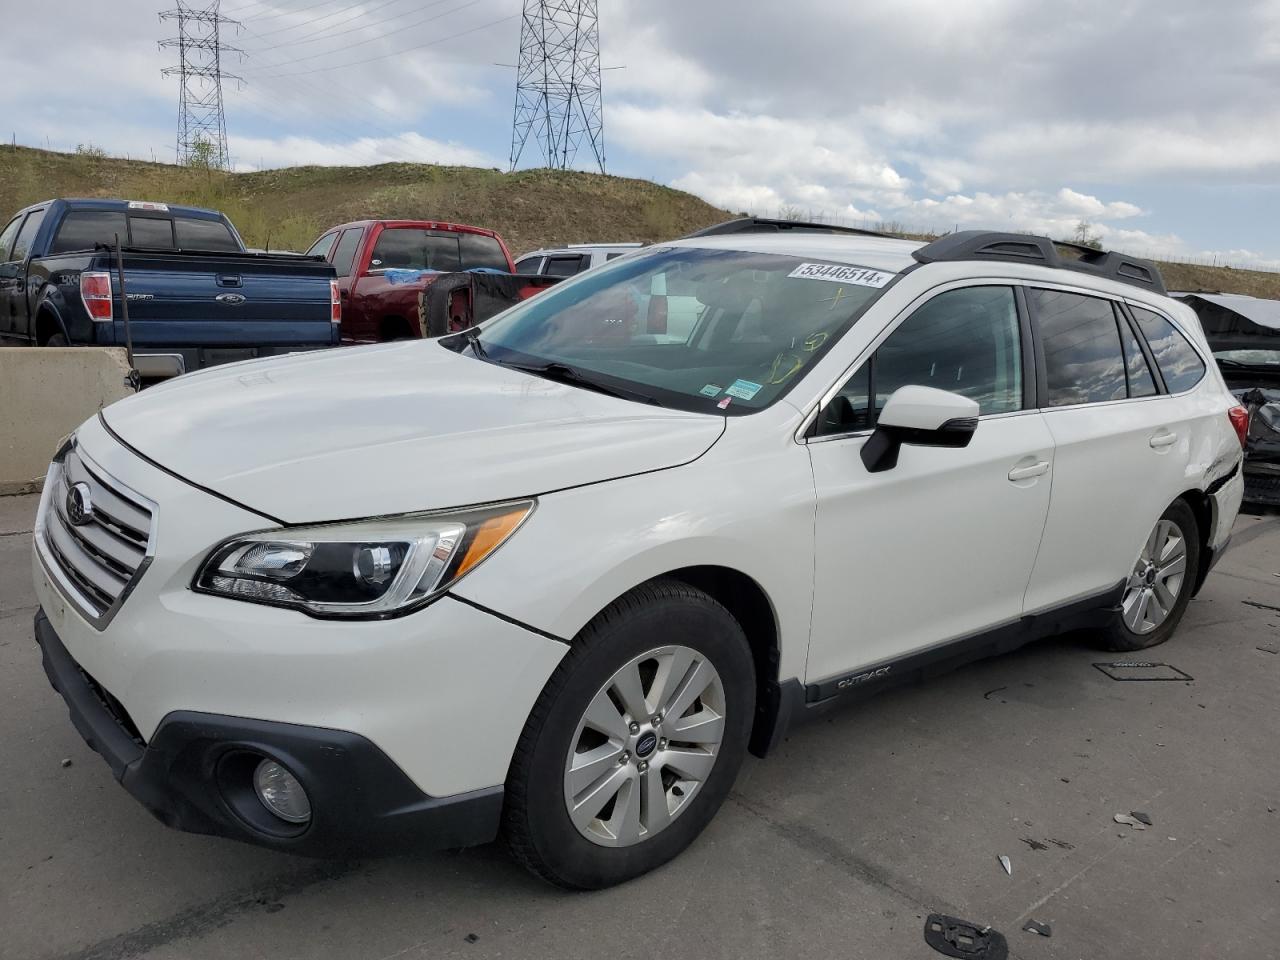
x=95 y=291
x=335 y=302
x=1239 y=417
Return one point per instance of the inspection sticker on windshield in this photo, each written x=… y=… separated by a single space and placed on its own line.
x=743 y=389
x=859 y=276
x=710 y=390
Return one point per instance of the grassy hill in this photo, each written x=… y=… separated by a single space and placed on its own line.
x=288 y=208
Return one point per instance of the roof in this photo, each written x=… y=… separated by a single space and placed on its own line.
x=1265 y=313
x=875 y=252
x=415 y=224
x=106 y=203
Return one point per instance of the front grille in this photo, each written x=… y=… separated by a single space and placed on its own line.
x=99 y=559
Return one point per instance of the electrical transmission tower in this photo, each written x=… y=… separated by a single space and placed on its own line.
x=558 y=103
x=202 y=122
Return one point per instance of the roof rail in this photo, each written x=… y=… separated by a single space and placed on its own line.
x=1043 y=252
x=769 y=225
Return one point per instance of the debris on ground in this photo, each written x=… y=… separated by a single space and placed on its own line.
x=1131 y=821
x=1035 y=844
x=1142 y=670
x=953 y=937
x=1062 y=843
x=66 y=762
x=1268 y=648
x=1260 y=606
x=1035 y=926
x=1144 y=817
x=1007 y=864
x=987 y=695
x=471 y=938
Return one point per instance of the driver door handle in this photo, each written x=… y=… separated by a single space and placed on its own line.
x=1037 y=469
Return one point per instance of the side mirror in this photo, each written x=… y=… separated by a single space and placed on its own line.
x=921 y=416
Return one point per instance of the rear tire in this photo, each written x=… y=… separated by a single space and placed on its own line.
x=1159 y=588
x=668 y=639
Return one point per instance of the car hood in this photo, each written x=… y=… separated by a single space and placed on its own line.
x=395 y=428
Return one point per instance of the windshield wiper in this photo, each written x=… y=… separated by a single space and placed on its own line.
x=473 y=341
x=563 y=373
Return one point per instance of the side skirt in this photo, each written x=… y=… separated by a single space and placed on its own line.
x=1081 y=614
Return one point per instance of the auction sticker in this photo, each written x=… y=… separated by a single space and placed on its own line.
x=858 y=276
x=710 y=390
x=743 y=389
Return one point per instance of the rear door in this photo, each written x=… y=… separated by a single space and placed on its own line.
x=1122 y=445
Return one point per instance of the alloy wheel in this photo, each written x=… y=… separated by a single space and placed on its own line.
x=645 y=745
x=1157 y=579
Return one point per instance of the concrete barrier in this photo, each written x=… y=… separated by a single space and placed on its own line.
x=45 y=393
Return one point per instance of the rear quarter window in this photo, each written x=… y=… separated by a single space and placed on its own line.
x=1180 y=365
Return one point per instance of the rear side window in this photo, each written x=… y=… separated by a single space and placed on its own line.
x=82 y=229
x=6 y=238
x=196 y=234
x=27 y=235
x=148 y=232
x=1141 y=383
x=477 y=250
x=1083 y=359
x=345 y=254
x=967 y=341
x=322 y=246
x=563 y=266
x=1180 y=365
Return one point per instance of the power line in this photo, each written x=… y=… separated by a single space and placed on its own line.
x=328 y=16
x=558 y=99
x=202 y=122
x=397 y=53
x=381 y=36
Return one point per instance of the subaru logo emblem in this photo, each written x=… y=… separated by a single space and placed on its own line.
x=231 y=298
x=79 y=505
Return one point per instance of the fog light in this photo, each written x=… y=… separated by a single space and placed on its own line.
x=281 y=793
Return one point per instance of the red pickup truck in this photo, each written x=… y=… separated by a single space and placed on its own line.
x=383 y=266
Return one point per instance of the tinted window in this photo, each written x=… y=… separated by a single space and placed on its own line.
x=146 y=232
x=1083 y=360
x=966 y=341
x=407 y=248
x=345 y=254
x=322 y=246
x=563 y=266
x=27 y=235
x=477 y=250
x=1141 y=383
x=1181 y=366
x=611 y=256
x=204 y=235
x=6 y=238
x=82 y=229
x=529 y=266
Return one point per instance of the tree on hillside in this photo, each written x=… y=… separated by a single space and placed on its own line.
x=1086 y=235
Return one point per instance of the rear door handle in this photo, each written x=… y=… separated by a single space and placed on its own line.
x=1162 y=440
x=1037 y=469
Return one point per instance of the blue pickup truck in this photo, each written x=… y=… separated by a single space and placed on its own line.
x=195 y=296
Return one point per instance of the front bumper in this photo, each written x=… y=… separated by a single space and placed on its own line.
x=195 y=775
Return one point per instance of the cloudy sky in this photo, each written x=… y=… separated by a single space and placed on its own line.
x=1157 y=121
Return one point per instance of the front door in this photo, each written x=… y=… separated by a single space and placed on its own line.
x=10 y=277
x=940 y=547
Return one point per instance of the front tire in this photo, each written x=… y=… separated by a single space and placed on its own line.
x=635 y=741
x=1158 y=590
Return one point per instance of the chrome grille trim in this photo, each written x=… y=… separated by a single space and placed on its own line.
x=96 y=565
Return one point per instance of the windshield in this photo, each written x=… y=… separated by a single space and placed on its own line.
x=705 y=330
x=1252 y=358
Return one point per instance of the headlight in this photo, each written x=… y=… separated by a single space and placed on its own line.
x=368 y=569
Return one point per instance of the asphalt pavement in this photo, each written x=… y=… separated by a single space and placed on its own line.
x=867 y=819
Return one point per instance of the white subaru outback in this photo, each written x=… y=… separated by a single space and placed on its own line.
x=551 y=578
